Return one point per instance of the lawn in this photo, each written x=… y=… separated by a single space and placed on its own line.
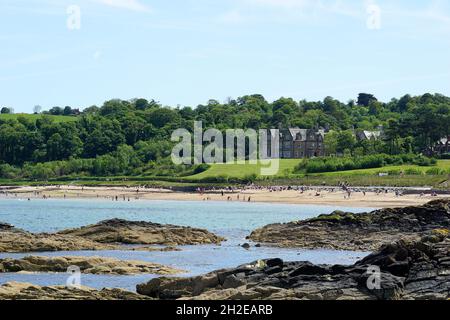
x=34 y=117
x=243 y=170
x=287 y=167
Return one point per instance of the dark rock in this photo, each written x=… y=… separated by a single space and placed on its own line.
x=274 y=262
x=368 y=230
x=406 y=270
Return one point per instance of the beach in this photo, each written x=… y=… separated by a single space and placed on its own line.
x=381 y=198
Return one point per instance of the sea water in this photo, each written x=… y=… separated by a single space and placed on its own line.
x=232 y=220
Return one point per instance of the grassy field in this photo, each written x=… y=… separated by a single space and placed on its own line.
x=34 y=117
x=287 y=168
x=363 y=177
x=243 y=170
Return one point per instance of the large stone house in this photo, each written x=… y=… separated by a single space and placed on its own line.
x=296 y=143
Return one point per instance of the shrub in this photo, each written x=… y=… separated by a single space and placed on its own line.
x=331 y=164
x=435 y=172
x=413 y=172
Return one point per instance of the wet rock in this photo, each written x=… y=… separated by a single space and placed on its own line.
x=93 y=265
x=25 y=291
x=361 y=232
x=106 y=235
x=246 y=246
x=140 y=232
x=15 y=240
x=405 y=270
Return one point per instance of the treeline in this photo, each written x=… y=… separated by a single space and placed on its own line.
x=332 y=164
x=125 y=161
x=143 y=129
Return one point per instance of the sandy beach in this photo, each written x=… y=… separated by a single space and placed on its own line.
x=325 y=196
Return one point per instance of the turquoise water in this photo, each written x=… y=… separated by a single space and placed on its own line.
x=234 y=221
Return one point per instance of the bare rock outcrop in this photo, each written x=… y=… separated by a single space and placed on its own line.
x=92 y=265
x=17 y=240
x=140 y=232
x=26 y=291
x=106 y=235
x=359 y=232
x=402 y=270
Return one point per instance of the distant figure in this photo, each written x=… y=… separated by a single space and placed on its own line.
x=249 y=199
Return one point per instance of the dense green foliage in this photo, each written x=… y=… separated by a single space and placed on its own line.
x=133 y=137
x=331 y=164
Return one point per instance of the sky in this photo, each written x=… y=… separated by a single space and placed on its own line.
x=185 y=52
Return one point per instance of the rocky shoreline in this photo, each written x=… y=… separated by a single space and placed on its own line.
x=27 y=291
x=106 y=235
x=358 y=232
x=92 y=265
x=408 y=270
x=410 y=259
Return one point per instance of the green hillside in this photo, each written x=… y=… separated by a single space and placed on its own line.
x=34 y=117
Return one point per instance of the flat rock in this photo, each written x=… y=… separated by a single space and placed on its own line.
x=92 y=265
x=359 y=232
x=140 y=232
x=26 y=291
x=106 y=235
x=15 y=240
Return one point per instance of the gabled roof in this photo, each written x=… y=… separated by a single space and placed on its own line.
x=372 y=134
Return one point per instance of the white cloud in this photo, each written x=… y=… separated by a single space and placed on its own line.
x=134 y=5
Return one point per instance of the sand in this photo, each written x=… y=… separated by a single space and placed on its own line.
x=335 y=198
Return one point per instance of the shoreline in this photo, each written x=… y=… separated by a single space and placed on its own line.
x=319 y=196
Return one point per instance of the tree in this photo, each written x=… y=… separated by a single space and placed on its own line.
x=141 y=104
x=67 y=111
x=345 y=141
x=364 y=99
x=56 y=111
x=331 y=143
x=6 y=110
x=161 y=117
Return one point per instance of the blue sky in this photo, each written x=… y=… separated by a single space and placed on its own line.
x=188 y=51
